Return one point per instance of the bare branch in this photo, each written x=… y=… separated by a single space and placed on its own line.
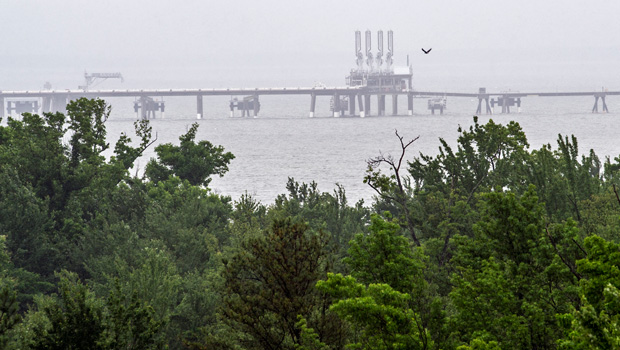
x=570 y=267
x=616 y=192
x=399 y=196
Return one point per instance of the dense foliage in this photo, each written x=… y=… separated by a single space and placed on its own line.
x=486 y=245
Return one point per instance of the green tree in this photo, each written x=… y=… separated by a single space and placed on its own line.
x=194 y=162
x=9 y=305
x=382 y=315
x=513 y=276
x=323 y=211
x=76 y=320
x=595 y=324
x=270 y=281
x=61 y=185
x=387 y=282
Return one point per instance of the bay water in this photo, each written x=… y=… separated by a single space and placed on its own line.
x=284 y=142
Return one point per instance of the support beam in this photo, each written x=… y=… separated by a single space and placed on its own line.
x=336 y=105
x=256 y=106
x=595 y=108
x=360 y=102
x=410 y=104
x=381 y=105
x=604 y=104
x=394 y=104
x=59 y=104
x=143 y=101
x=312 y=104
x=352 y=105
x=199 y=109
x=367 y=105
x=46 y=104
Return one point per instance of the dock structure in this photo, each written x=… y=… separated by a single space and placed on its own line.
x=357 y=99
x=372 y=78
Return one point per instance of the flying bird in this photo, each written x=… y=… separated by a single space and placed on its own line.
x=427 y=51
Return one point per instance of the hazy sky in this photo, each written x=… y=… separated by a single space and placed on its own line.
x=158 y=43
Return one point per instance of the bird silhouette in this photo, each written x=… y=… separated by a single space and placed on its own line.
x=427 y=51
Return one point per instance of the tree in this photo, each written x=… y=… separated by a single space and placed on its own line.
x=323 y=211
x=194 y=162
x=76 y=319
x=9 y=305
x=61 y=185
x=382 y=315
x=392 y=188
x=595 y=323
x=389 y=305
x=513 y=276
x=270 y=281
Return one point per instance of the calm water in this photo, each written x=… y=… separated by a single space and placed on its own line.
x=283 y=142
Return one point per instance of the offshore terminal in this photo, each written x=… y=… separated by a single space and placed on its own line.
x=374 y=77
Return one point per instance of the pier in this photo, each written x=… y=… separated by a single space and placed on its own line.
x=354 y=100
x=373 y=78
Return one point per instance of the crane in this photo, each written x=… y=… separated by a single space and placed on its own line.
x=91 y=78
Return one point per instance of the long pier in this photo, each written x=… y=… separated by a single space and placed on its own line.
x=343 y=98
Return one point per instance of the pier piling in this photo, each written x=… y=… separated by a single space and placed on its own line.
x=256 y=106
x=199 y=109
x=381 y=105
x=360 y=102
x=352 y=105
x=312 y=104
x=336 y=105
x=394 y=104
x=410 y=104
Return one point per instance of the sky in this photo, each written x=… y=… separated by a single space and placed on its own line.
x=526 y=44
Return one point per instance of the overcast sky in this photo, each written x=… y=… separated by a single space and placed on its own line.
x=158 y=43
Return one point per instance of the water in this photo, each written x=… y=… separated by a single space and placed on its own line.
x=283 y=142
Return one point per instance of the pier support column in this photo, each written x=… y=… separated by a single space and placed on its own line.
x=143 y=114
x=59 y=104
x=595 y=108
x=336 y=106
x=352 y=105
x=410 y=104
x=394 y=104
x=381 y=104
x=367 y=105
x=46 y=104
x=199 y=109
x=360 y=102
x=256 y=106
x=312 y=105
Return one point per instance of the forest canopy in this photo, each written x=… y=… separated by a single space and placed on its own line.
x=486 y=245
